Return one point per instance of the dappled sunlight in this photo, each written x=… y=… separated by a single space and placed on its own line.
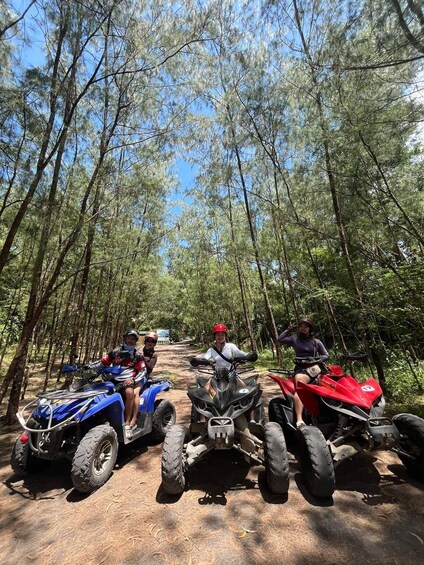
x=225 y=515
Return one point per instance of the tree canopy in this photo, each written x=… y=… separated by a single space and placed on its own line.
x=302 y=122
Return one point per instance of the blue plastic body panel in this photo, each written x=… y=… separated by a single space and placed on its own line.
x=107 y=401
x=69 y=369
x=149 y=396
x=111 y=405
x=116 y=370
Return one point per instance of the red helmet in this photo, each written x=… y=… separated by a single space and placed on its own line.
x=220 y=328
x=151 y=335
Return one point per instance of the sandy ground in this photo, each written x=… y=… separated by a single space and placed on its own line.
x=226 y=515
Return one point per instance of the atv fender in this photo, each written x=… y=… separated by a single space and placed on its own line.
x=148 y=396
x=111 y=406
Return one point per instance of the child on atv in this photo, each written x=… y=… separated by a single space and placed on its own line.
x=148 y=351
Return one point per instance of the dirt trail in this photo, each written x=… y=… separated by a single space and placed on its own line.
x=226 y=516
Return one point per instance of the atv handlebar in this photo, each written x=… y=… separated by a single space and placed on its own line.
x=249 y=358
x=355 y=357
x=282 y=372
x=308 y=360
x=201 y=361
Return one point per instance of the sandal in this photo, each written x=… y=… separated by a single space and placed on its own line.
x=300 y=424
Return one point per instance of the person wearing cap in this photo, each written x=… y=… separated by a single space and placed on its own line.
x=132 y=362
x=304 y=345
x=150 y=358
x=148 y=351
x=222 y=352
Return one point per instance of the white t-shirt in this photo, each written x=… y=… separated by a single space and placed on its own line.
x=229 y=351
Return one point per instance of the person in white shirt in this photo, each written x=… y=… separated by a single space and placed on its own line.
x=222 y=353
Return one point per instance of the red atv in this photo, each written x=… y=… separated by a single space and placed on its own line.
x=344 y=417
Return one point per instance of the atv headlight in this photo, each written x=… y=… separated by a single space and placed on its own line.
x=245 y=401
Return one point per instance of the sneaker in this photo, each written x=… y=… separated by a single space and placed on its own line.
x=300 y=424
x=128 y=432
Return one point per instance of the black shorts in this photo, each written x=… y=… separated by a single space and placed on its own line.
x=298 y=370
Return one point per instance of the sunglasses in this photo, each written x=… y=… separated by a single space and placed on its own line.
x=150 y=341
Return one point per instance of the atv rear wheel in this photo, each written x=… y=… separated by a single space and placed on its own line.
x=276 y=460
x=94 y=458
x=163 y=418
x=173 y=473
x=316 y=461
x=411 y=430
x=276 y=414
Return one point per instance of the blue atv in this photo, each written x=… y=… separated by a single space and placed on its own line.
x=85 y=423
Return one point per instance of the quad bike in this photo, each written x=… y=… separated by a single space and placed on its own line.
x=85 y=423
x=344 y=417
x=226 y=413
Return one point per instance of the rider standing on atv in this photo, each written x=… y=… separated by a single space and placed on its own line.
x=304 y=345
x=132 y=362
x=222 y=353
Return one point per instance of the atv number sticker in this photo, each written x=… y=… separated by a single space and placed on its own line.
x=367 y=388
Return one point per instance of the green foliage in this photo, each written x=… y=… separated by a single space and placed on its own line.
x=308 y=195
x=405 y=382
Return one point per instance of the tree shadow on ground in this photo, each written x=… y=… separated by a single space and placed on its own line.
x=37 y=486
x=56 y=475
x=216 y=474
x=310 y=498
x=361 y=475
x=404 y=477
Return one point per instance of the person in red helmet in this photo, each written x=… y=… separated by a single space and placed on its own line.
x=304 y=345
x=222 y=352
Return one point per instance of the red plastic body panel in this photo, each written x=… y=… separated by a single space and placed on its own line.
x=343 y=388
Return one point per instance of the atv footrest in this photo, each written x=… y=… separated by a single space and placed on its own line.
x=221 y=431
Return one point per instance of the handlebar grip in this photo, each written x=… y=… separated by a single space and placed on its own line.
x=200 y=361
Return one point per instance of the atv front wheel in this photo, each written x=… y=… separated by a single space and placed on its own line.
x=23 y=461
x=411 y=429
x=276 y=414
x=276 y=460
x=316 y=461
x=94 y=458
x=163 y=418
x=173 y=474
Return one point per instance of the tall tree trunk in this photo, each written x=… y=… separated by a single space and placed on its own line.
x=240 y=278
x=268 y=308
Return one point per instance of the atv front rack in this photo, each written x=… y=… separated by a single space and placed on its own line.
x=47 y=400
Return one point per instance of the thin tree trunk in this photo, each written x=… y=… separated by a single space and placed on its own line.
x=268 y=308
x=240 y=278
